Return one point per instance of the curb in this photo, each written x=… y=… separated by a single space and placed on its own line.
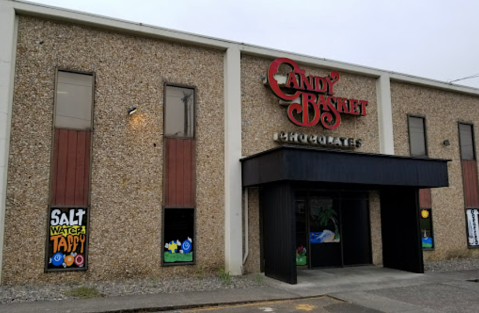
x=204 y=305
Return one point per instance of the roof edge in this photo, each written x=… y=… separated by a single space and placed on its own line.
x=319 y=149
x=61 y=14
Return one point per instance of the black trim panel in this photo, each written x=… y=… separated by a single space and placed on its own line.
x=289 y=163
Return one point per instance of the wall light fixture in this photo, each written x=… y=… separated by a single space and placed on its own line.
x=132 y=110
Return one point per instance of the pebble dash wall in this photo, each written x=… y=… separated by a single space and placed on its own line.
x=442 y=111
x=127 y=160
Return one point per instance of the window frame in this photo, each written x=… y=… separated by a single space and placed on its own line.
x=473 y=140
x=165 y=85
x=93 y=74
x=164 y=207
x=425 y=135
x=163 y=241
x=50 y=206
x=432 y=229
x=459 y=123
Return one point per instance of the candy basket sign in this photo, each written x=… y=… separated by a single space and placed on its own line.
x=311 y=99
x=67 y=239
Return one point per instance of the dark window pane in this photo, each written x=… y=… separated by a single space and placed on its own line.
x=179 y=112
x=467 y=144
x=426 y=229
x=417 y=136
x=179 y=236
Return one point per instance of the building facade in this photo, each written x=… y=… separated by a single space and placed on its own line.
x=134 y=151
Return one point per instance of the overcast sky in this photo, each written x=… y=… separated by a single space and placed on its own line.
x=437 y=39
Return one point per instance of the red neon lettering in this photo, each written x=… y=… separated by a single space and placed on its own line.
x=306 y=83
x=292 y=82
x=272 y=70
x=363 y=105
x=342 y=105
x=316 y=93
x=353 y=107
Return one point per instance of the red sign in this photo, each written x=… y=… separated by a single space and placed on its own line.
x=312 y=97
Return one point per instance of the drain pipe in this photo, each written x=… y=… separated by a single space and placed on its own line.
x=246 y=223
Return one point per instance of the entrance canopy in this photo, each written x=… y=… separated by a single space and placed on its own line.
x=285 y=170
x=291 y=163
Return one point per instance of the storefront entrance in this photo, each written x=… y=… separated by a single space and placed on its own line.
x=332 y=229
x=313 y=197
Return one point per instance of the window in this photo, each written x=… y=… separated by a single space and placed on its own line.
x=179 y=112
x=469 y=177
x=417 y=136
x=466 y=139
x=418 y=147
x=179 y=178
x=67 y=235
x=179 y=235
x=73 y=100
x=426 y=229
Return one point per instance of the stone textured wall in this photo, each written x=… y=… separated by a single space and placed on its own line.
x=442 y=110
x=126 y=182
x=262 y=116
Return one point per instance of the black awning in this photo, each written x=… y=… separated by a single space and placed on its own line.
x=321 y=165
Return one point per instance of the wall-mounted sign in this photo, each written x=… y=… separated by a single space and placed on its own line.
x=473 y=227
x=67 y=239
x=317 y=140
x=311 y=99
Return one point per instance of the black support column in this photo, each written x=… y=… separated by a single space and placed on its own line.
x=279 y=232
x=400 y=229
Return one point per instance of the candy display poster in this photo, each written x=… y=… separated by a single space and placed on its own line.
x=67 y=239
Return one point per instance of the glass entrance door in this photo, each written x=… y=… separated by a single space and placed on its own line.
x=332 y=229
x=324 y=231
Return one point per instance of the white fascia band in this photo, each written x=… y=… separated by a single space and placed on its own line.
x=233 y=188
x=8 y=35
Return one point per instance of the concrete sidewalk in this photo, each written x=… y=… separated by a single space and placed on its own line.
x=376 y=288
x=388 y=290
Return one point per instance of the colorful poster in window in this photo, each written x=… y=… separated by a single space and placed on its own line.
x=324 y=224
x=178 y=236
x=324 y=237
x=301 y=257
x=178 y=251
x=67 y=239
x=427 y=242
x=473 y=227
x=426 y=229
